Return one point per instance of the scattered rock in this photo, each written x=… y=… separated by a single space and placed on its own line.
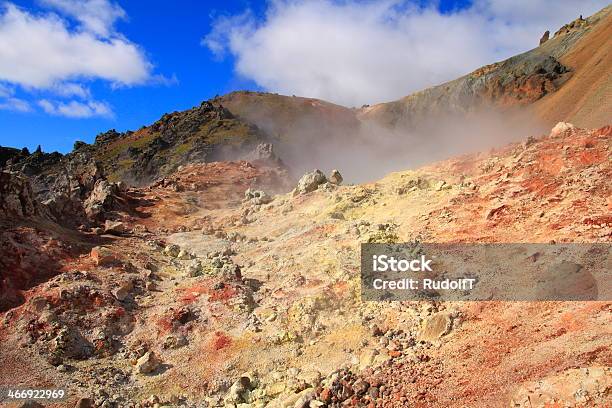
x=360 y=387
x=436 y=326
x=257 y=197
x=304 y=399
x=172 y=250
x=441 y=185
x=194 y=268
x=148 y=363
x=184 y=255
x=561 y=129
x=174 y=341
x=102 y=256
x=114 y=227
x=123 y=291
x=335 y=177
x=310 y=182
x=238 y=392
x=495 y=211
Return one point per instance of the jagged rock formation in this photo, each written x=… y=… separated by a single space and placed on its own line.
x=584 y=47
x=264 y=154
x=62 y=183
x=16 y=197
x=79 y=188
x=202 y=134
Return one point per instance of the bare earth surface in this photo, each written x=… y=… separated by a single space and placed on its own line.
x=209 y=297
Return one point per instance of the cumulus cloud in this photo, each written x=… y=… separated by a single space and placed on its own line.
x=96 y=16
x=354 y=52
x=56 y=54
x=40 y=51
x=76 y=109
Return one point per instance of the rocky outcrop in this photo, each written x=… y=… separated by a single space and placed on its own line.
x=16 y=196
x=573 y=26
x=8 y=154
x=72 y=188
x=335 y=177
x=65 y=186
x=100 y=200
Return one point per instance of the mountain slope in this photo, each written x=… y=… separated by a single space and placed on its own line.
x=281 y=116
x=579 y=49
x=201 y=134
x=585 y=98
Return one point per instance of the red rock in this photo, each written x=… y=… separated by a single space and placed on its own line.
x=326 y=395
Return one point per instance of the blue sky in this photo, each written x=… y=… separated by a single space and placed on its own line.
x=170 y=36
x=168 y=56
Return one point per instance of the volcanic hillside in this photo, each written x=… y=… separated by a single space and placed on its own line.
x=196 y=291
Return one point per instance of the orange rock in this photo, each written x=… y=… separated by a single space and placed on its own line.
x=102 y=256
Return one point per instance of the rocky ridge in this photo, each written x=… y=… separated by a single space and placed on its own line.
x=518 y=81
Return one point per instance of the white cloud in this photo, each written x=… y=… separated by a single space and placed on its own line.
x=9 y=102
x=76 y=109
x=68 y=89
x=14 y=104
x=354 y=52
x=40 y=51
x=96 y=16
x=45 y=53
x=5 y=91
